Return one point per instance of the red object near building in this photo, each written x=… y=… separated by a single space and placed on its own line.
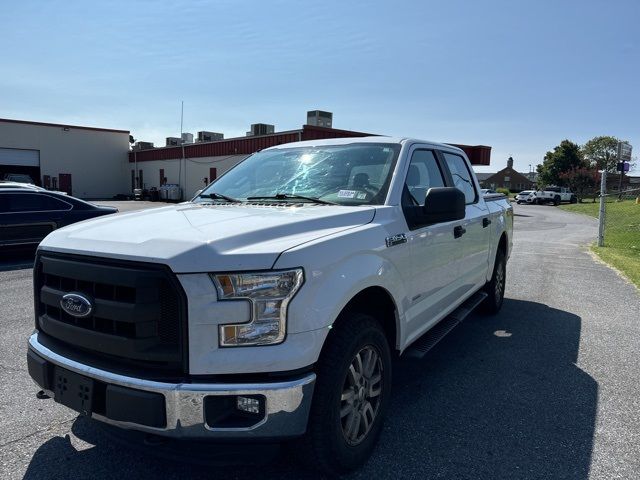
x=64 y=180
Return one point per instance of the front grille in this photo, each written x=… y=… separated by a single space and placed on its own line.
x=138 y=315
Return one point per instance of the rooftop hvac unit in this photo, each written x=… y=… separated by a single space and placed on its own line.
x=320 y=118
x=173 y=141
x=260 y=129
x=209 y=136
x=187 y=137
x=143 y=146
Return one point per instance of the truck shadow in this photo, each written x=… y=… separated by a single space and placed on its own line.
x=499 y=398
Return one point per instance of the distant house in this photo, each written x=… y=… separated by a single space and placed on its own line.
x=482 y=176
x=506 y=178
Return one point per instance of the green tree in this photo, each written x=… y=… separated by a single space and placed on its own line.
x=602 y=153
x=582 y=181
x=564 y=158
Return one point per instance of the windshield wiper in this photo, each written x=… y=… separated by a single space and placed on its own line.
x=286 y=196
x=219 y=196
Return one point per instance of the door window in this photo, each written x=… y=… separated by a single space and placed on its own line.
x=462 y=178
x=423 y=174
x=30 y=202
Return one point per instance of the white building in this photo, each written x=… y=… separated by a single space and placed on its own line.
x=86 y=162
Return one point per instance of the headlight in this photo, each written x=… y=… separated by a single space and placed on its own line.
x=269 y=294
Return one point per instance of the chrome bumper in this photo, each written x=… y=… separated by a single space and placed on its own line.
x=287 y=403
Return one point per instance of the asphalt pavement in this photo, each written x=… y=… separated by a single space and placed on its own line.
x=547 y=389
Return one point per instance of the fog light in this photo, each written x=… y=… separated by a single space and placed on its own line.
x=247 y=404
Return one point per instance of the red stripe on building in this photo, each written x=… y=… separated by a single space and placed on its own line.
x=478 y=155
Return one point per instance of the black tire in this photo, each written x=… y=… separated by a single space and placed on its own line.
x=495 y=287
x=574 y=199
x=556 y=200
x=327 y=446
x=518 y=202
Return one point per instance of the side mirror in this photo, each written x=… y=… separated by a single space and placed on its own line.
x=442 y=204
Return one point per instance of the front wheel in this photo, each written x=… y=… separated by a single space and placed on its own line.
x=556 y=200
x=574 y=199
x=495 y=287
x=351 y=395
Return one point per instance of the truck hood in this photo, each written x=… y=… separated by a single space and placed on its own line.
x=199 y=238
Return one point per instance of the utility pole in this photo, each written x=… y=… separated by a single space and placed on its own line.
x=601 y=214
x=182 y=145
x=135 y=170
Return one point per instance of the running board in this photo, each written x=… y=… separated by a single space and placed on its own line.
x=429 y=340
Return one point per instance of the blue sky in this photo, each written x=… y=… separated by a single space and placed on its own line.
x=519 y=76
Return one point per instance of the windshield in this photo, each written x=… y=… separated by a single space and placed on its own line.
x=354 y=174
x=525 y=193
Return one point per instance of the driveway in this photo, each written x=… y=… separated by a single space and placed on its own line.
x=546 y=389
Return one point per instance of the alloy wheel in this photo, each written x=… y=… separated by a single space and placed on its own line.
x=500 y=281
x=361 y=395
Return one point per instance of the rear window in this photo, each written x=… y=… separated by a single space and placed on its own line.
x=461 y=176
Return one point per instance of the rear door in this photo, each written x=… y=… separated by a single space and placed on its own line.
x=475 y=233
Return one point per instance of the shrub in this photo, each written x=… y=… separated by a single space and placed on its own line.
x=504 y=191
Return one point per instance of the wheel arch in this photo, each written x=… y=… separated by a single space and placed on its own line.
x=378 y=302
x=503 y=244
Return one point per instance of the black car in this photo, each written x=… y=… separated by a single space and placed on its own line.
x=29 y=213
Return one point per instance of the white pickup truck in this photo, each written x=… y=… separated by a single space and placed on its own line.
x=270 y=306
x=555 y=195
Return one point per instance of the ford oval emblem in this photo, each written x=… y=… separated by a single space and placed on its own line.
x=76 y=304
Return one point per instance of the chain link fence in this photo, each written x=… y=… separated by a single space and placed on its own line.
x=619 y=216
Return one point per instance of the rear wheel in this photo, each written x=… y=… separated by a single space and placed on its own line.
x=574 y=199
x=556 y=200
x=350 y=397
x=495 y=287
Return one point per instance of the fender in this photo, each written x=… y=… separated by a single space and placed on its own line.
x=331 y=280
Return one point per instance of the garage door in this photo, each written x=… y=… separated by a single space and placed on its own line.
x=15 y=156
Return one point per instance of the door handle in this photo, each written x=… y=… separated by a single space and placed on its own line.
x=459 y=231
x=486 y=222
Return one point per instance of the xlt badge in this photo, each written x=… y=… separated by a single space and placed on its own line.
x=396 y=239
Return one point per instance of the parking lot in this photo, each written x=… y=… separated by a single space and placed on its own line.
x=546 y=389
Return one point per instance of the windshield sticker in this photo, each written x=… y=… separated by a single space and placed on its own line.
x=361 y=196
x=347 y=193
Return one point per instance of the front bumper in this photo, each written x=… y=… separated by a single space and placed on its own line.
x=183 y=405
